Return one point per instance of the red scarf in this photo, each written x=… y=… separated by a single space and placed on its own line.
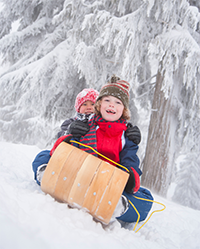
x=106 y=139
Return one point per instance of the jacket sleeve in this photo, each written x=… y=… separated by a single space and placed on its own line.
x=58 y=141
x=64 y=127
x=129 y=158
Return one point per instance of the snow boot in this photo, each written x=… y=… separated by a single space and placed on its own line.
x=121 y=208
x=40 y=172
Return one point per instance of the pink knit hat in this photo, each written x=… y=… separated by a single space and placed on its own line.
x=84 y=95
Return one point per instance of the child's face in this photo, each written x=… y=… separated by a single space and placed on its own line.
x=87 y=107
x=111 y=108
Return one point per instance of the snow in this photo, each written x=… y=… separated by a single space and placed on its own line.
x=31 y=219
x=15 y=25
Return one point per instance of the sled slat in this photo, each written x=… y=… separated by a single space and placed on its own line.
x=54 y=167
x=111 y=197
x=97 y=187
x=83 y=180
x=68 y=175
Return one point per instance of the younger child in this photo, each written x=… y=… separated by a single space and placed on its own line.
x=84 y=106
x=107 y=135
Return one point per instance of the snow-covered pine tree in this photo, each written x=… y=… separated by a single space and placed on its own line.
x=175 y=110
x=195 y=3
x=62 y=46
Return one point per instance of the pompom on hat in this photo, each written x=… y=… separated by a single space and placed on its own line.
x=116 y=88
x=85 y=95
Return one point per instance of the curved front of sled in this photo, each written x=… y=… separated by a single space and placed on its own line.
x=84 y=181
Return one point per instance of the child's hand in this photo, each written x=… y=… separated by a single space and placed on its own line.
x=133 y=133
x=78 y=128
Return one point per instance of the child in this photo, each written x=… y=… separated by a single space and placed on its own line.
x=107 y=135
x=84 y=106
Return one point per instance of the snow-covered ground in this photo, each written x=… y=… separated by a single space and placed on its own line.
x=31 y=219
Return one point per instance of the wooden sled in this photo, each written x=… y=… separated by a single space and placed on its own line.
x=84 y=181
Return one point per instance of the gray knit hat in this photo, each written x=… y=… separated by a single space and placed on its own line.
x=116 y=88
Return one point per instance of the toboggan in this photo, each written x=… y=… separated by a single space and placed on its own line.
x=84 y=181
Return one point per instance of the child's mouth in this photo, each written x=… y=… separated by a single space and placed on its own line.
x=110 y=112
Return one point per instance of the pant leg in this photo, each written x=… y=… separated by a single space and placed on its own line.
x=41 y=158
x=142 y=206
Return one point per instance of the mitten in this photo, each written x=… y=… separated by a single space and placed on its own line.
x=78 y=128
x=129 y=188
x=133 y=133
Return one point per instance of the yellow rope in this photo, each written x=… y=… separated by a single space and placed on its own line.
x=137 y=214
x=149 y=215
x=73 y=141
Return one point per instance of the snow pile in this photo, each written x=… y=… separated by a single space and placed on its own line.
x=31 y=219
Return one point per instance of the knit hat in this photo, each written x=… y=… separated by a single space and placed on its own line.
x=116 y=88
x=85 y=95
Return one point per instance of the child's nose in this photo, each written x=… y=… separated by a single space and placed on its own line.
x=111 y=104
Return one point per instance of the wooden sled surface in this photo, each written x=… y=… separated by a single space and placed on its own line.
x=84 y=181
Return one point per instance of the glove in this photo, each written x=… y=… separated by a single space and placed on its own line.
x=78 y=128
x=133 y=133
x=130 y=185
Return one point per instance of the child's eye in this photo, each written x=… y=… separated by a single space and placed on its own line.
x=118 y=102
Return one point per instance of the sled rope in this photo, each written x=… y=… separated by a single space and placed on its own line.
x=139 y=198
x=143 y=199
